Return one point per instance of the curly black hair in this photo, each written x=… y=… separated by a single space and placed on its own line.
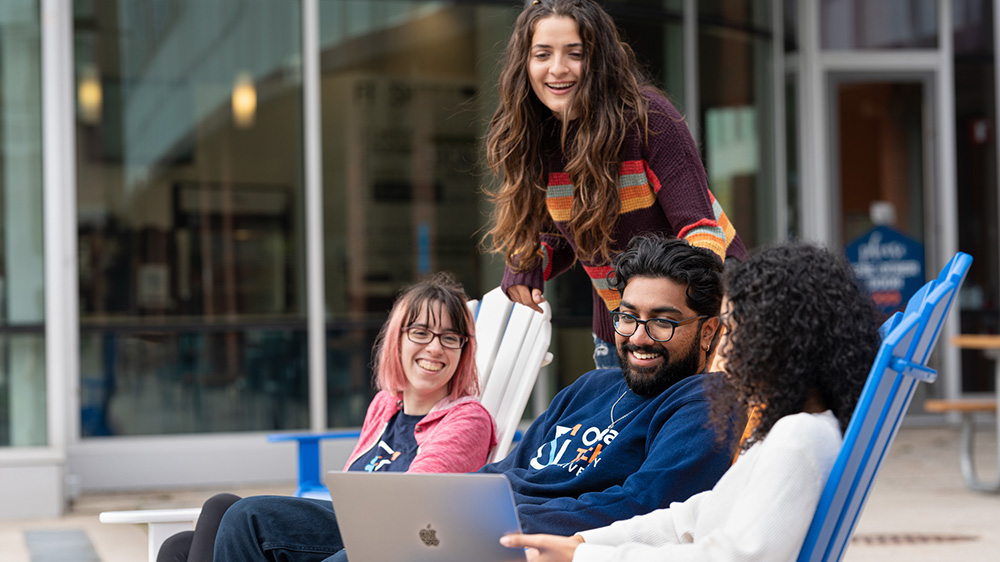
x=658 y=256
x=797 y=321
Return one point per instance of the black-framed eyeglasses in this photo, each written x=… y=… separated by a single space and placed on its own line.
x=451 y=340
x=658 y=329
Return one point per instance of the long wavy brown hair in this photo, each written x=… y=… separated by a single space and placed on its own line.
x=608 y=101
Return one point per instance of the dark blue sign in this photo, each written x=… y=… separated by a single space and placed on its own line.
x=889 y=264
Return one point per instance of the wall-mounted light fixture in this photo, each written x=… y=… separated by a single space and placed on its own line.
x=89 y=95
x=244 y=101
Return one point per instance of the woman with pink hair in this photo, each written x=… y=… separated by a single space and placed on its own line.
x=426 y=416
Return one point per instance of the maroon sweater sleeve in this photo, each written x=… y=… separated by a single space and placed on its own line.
x=557 y=257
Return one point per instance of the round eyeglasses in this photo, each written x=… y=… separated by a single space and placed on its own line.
x=658 y=329
x=424 y=336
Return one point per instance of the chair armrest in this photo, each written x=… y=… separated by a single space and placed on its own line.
x=186 y=515
x=162 y=523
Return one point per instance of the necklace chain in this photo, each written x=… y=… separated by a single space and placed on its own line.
x=613 y=420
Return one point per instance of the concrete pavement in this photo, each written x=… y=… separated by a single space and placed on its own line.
x=919 y=511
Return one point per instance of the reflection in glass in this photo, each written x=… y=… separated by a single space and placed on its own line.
x=189 y=210
x=886 y=24
x=976 y=168
x=793 y=173
x=23 y=405
x=144 y=382
x=791 y=22
x=737 y=116
x=881 y=147
x=407 y=89
x=972 y=24
x=23 y=399
x=655 y=32
x=738 y=12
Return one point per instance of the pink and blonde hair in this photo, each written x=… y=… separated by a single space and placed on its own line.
x=438 y=294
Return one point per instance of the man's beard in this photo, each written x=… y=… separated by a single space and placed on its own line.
x=647 y=382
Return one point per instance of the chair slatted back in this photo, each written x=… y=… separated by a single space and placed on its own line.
x=901 y=363
x=512 y=342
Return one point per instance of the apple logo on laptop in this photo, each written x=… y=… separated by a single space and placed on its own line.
x=429 y=536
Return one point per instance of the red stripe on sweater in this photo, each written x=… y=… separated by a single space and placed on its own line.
x=701 y=223
x=559 y=178
x=654 y=181
x=633 y=167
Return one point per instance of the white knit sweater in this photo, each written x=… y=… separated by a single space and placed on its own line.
x=759 y=510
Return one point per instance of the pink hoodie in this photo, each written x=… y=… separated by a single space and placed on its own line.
x=455 y=436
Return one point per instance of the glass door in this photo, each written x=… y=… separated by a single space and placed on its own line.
x=882 y=178
x=882 y=154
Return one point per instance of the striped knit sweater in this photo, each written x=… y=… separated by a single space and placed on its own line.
x=663 y=189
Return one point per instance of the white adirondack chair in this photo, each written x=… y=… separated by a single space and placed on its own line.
x=512 y=347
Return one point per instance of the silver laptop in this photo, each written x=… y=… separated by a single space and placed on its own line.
x=402 y=517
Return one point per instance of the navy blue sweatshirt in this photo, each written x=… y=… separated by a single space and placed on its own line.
x=571 y=472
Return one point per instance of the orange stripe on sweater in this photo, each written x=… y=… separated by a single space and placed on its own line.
x=560 y=208
x=599 y=278
x=708 y=241
x=636 y=197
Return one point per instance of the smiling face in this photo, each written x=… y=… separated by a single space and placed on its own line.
x=649 y=366
x=555 y=63
x=428 y=367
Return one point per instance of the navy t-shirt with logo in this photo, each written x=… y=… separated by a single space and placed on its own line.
x=395 y=450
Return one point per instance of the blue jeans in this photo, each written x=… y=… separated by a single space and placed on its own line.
x=279 y=529
x=605 y=354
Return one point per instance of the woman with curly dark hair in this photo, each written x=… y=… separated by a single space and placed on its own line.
x=801 y=338
x=589 y=154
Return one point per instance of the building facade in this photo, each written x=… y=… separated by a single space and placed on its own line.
x=208 y=207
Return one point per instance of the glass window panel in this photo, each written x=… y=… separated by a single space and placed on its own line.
x=141 y=382
x=976 y=167
x=406 y=96
x=791 y=19
x=881 y=152
x=656 y=33
x=972 y=21
x=23 y=404
x=889 y=24
x=739 y=12
x=190 y=216
x=737 y=124
x=793 y=173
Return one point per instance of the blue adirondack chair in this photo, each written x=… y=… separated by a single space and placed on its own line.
x=907 y=340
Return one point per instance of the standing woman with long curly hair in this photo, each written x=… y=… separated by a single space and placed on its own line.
x=589 y=154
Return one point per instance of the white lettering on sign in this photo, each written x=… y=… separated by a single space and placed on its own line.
x=888 y=276
x=875 y=250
